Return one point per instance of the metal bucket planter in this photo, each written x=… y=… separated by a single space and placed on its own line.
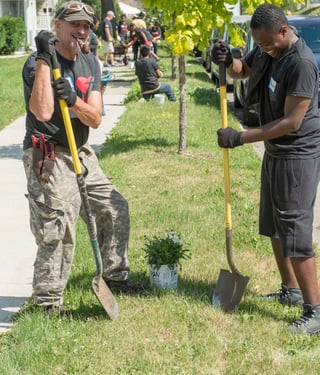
x=164 y=278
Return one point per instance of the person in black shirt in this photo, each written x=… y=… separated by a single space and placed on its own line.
x=123 y=29
x=148 y=73
x=283 y=78
x=155 y=31
x=142 y=36
x=53 y=192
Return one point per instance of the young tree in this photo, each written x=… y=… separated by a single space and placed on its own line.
x=194 y=20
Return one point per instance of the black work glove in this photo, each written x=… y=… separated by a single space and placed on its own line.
x=221 y=53
x=64 y=91
x=44 y=45
x=229 y=138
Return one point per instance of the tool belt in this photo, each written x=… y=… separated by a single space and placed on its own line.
x=43 y=157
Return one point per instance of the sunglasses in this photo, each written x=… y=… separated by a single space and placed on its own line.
x=70 y=8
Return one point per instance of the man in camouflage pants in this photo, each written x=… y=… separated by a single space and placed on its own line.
x=53 y=193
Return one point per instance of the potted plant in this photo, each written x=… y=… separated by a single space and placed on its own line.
x=164 y=256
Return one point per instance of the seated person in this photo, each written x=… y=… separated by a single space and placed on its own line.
x=148 y=72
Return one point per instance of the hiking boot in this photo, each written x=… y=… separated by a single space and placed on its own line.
x=309 y=323
x=286 y=296
x=125 y=286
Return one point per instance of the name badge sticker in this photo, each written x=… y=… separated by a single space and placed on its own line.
x=272 y=85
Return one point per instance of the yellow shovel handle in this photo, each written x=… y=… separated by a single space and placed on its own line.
x=68 y=127
x=224 y=118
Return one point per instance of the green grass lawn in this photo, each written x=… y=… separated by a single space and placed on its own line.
x=176 y=332
x=11 y=90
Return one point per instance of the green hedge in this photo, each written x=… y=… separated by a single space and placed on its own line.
x=12 y=34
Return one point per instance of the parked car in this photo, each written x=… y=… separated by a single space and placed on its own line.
x=308 y=27
x=219 y=33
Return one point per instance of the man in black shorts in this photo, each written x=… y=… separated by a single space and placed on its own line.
x=284 y=80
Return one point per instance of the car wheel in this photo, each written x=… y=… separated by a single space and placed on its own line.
x=236 y=101
x=214 y=79
x=250 y=119
x=208 y=63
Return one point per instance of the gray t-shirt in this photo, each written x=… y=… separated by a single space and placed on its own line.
x=294 y=74
x=84 y=76
x=146 y=72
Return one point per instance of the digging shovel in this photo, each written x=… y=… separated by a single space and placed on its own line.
x=99 y=286
x=230 y=285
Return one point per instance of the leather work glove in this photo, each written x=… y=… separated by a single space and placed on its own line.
x=64 y=91
x=229 y=138
x=44 y=45
x=221 y=53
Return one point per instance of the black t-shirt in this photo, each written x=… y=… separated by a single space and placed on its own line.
x=139 y=32
x=146 y=72
x=106 y=24
x=294 y=74
x=85 y=76
x=123 y=29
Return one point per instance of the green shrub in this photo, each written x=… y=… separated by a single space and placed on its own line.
x=13 y=32
x=135 y=93
x=2 y=36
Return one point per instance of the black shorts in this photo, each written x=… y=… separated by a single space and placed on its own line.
x=287 y=197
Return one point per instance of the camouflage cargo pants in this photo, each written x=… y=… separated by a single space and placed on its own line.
x=54 y=210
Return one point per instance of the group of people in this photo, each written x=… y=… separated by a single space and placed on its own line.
x=283 y=78
x=135 y=35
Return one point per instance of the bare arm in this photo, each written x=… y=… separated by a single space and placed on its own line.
x=239 y=69
x=159 y=73
x=132 y=41
x=89 y=112
x=108 y=34
x=42 y=100
x=294 y=112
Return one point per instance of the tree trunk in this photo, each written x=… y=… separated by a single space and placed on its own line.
x=183 y=106
x=173 y=67
x=107 y=5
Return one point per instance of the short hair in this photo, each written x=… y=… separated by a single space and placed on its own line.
x=268 y=17
x=144 y=50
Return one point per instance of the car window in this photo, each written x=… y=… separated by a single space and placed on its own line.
x=311 y=35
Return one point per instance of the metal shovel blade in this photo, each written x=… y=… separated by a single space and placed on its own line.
x=105 y=297
x=229 y=290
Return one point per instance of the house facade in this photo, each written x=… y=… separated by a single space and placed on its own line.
x=27 y=10
x=36 y=21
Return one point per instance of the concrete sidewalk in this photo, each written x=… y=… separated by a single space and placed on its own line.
x=18 y=248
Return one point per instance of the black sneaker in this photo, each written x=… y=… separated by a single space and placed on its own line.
x=286 y=296
x=125 y=286
x=309 y=323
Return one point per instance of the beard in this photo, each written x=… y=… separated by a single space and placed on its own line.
x=74 y=46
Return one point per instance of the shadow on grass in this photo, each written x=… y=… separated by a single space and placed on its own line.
x=201 y=76
x=199 y=291
x=118 y=144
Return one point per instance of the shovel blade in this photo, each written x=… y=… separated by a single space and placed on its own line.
x=105 y=297
x=229 y=290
